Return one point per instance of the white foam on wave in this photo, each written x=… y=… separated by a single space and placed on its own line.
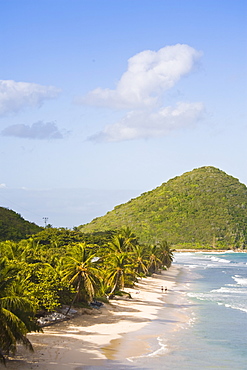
x=222 y=252
x=192 y=266
x=229 y=289
x=240 y=280
x=210 y=261
x=240 y=308
x=224 y=289
x=221 y=260
x=161 y=350
x=231 y=296
x=200 y=296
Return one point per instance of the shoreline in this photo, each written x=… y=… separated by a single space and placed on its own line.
x=101 y=337
x=156 y=338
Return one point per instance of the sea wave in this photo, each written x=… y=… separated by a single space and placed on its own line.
x=240 y=280
x=230 y=297
x=221 y=260
x=238 y=307
x=161 y=350
x=230 y=289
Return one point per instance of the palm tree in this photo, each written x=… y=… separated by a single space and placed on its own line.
x=129 y=236
x=119 y=269
x=16 y=312
x=140 y=256
x=117 y=244
x=27 y=250
x=123 y=241
x=11 y=250
x=154 y=262
x=165 y=254
x=80 y=269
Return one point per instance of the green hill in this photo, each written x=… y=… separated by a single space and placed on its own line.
x=14 y=227
x=204 y=207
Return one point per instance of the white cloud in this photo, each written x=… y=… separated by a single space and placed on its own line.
x=146 y=124
x=38 y=130
x=148 y=76
x=140 y=91
x=17 y=95
x=2 y=186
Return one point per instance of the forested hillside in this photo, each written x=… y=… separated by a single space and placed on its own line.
x=205 y=207
x=14 y=227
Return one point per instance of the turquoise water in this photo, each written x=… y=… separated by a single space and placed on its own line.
x=212 y=292
x=218 y=337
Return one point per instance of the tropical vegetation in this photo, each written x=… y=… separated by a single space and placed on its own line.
x=14 y=227
x=60 y=267
x=44 y=269
x=203 y=208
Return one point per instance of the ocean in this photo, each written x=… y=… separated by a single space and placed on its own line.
x=217 y=289
x=206 y=327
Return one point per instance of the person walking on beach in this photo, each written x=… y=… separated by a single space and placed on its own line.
x=162 y=289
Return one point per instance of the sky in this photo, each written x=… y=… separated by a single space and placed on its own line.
x=102 y=100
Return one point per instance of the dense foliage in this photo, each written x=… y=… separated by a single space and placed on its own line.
x=14 y=227
x=202 y=208
x=59 y=267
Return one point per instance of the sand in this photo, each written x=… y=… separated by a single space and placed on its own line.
x=93 y=338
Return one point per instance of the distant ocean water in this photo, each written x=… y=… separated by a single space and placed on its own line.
x=212 y=291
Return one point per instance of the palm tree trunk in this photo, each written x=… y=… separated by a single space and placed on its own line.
x=75 y=297
x=115 y=285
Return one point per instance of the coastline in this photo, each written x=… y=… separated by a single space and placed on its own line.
x=94 y=339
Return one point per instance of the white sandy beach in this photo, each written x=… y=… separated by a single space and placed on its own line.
x=89 y=339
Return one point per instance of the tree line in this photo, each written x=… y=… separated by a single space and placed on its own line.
x=58 y=267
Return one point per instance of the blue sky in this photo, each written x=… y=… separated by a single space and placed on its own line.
x=102 y=100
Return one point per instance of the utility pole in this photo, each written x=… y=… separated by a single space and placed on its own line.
x=45 y=220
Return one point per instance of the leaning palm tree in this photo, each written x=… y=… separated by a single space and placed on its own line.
x=16 y=313
x=119 y=269
x=80 y=269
